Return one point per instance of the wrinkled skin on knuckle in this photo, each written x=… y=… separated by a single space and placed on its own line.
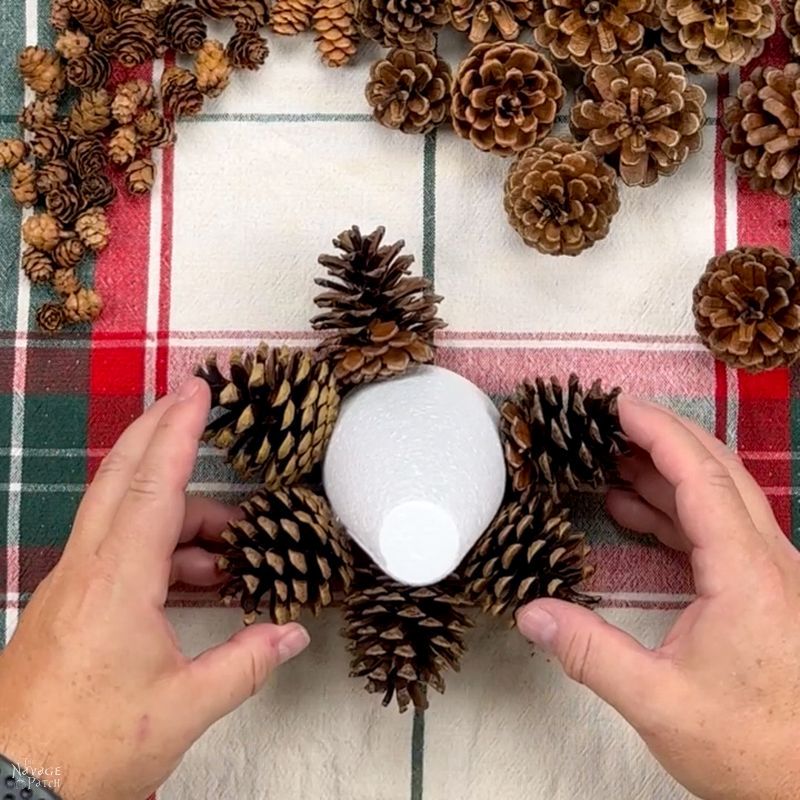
x=577 y=654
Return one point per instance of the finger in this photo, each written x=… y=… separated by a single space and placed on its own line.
x=206 y=519
x=632 y=512
x=221 y=679
x=653 y=487
x=194 y=566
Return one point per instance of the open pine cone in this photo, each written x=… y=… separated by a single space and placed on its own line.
x=505 y=97
x=287 y=551
x=530 y=550
x=403 y=638
x=716 y=35
x=379 y=319
x=747 y=308
x=336 y=31
x=560 y=199
x=402 y=23
x=489 y=20
x=790 y=23
x=275 y=413
x=642 y=115
x=558 y=441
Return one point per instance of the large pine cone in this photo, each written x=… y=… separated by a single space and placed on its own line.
x=275 y=413
x=403 y=638
x=642 y=115
x=762 y=123
x=379 y=319
x=530 y=550
x=336 y=31
x=560 y=199
x=558 y=441
x=489 y=20
x=289 y=551
x=505 y=97
x=402 y=23
x=790 y=23
x=747 y=308
x=409 y=90
x=716 y=35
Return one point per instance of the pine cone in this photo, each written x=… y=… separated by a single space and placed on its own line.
x=64 y=203
x=122 y=145
x=83 y=306
x=180 y=94
x=135 y=36
x=642 y=115
x=247 y=50
x=49 y=143
x=277 y=413
x=213 y=68
x=93 y=229
x=12 y=151
x=557 y=441
x=762 y=129
x=153 y=130
x=337 y=34
x=157 y=7
x=140 y=176
x=560 y=199
x=69 y=253
x=41 y=70
x=59 y=14
x=97 y=190
x=51 y=317
x=39 y=112
x=378 y=319
x=23 y=184
x=716 y=35
x=747 y=308
x=91 y=114
x=92 y=15
x=410 y=90
x=403 y=23
x=37 y=265
x=41 y=231
x=72 y=44
x=403 y=638
x=52 y=175
x=130 y=98
x=65 y=282
x=251 y=15
x=288 y=550
x=790 y=23
x=489 y=20
x=89 y=71
x=505 y=97
x=218 y=9
x=184 y=28
x=290 y=17
x=87 y=156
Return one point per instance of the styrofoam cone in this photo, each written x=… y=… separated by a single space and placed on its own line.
x=415 y=471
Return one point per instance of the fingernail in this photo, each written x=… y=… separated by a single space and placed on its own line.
x=188 y=388
x=538 y=626
x=295 y=639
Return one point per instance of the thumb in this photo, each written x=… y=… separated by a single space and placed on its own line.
x=222 y=678
x=605 y=659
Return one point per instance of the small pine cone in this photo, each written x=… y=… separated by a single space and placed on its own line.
x=287 y=550
x=73 y=44
x=653 y=90
x=64 y=203
x=83 y=306
x=122 y=145
x=93 y=229
x=60 y=15
x=92 y=15
x=184 y=28
x=558 y=441
x=560 y=199
x=12 y=151
x=97 y=190
x=505 y=97
x=41 y=70
x=278 y=410
x=747 y=308
x=135 y=38
x=53 y=175
x=23 y=184
x=530 y=550
x=410 y=90
x=247 y=50
x=290 y=17
x=65 y=282
x=37 y=265
x=251 y=15
x=212 y=68
x=42 y=231
x=153 y=130
x=140 y=176
x=91 y=114
x=69 y=253
x=218 y=9
x=180 y=94
x=89 y=71
x=489 y=20
x=337 y=34
x=39 y=113
x=157 y=7
x=403 y=23
x=88 y=156
x=130 y=98
x=49 y=143
x=51 y=317
x=403 y=638
x=714 y=36
x=790 y=23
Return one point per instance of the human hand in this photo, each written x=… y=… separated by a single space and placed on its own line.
x=93 y=681
x=718 y=703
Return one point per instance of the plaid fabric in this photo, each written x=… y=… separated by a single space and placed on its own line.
x=223 y=255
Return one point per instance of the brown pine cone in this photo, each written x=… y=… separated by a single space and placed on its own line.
x=39 y=112
x=96 y=190
x=560 y=199
x=251 y=15
x=65 y=282
x=747 y=308
x=91 y=114
x=52 y=175
x=790 y=23
x=93 y=229
x=212 y=68
x=505 y=97
x=60 y=16
x=42 y=231
x=12 y=151
x=130 y=98
x=51 y=317
x=218 y=9
x=64 y=203
x=154 y=130
x=37 y=265
x=49 y=143
x=642 y=115
x=180 y=94
x=410 y=90
x=23 y=184
x=140 y=176
x=715 y=36
x=337 y=35
x=69 y=253
x=72 y=44
x=92 y=15
x=87 y=156
x=136 y=38
x=41 y=70
x=122 y=145
x=83 y=306
x=489 y=20
x=402 y=23
x=89 y=71
x=247 y=50
x=157 y=7
x=184 y=28
x=761 y=122
x=290 y=17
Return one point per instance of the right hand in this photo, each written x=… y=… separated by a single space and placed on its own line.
x=718 y=703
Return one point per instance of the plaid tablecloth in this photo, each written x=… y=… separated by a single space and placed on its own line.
x=223 y=254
